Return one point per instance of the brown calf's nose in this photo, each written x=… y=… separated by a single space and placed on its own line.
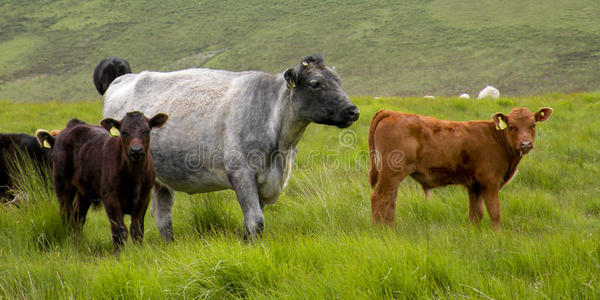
x=526 y=144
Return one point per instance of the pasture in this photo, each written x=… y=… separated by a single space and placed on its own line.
x=381 y=48
x=318 y=240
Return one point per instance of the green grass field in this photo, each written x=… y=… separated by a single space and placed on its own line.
x=318 y=241
x=48 y=49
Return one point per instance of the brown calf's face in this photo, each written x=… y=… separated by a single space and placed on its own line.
x=519 y=127
x=135 y=132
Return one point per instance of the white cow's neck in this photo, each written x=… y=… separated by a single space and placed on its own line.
x=291 y=127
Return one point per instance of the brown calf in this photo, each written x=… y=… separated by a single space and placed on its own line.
x=480 y=155
x=91 y=164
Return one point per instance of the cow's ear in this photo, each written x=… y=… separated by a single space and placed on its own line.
x=501 y=121
x=543 y=114
x=45 y=138
x=158 y=120
x=111 y=125
x=291 y=77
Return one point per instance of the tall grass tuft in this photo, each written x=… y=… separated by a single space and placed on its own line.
x=36 y=203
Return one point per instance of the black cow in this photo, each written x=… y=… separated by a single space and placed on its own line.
x=107 y=70
x=12 y=145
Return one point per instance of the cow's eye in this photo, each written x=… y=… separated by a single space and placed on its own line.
x=124 y=134
x=512 y=128
x=314 y=84
x=533 y=126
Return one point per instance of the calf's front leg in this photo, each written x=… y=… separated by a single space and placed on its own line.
x=116 y=219
x=492 y=203
x=137 y=220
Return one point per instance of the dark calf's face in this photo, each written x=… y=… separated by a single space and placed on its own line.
x=317 y=95
x=519 y=127
x=134 y=131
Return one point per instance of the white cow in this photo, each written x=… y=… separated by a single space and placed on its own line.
x=230 y=130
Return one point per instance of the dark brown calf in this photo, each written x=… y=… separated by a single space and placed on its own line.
x=91 y=164
x=480 y=155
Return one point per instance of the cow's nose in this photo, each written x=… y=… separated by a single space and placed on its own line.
x=136 y=151
x=353 y=113
x=526 y=145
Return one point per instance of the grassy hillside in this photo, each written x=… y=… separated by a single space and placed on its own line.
x=48 y=49
x=318 y=241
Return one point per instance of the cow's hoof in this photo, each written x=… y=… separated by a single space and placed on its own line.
x=254 y=228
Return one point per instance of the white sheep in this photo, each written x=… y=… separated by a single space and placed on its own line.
x=428 y=97
x=464 y=96
x=489 y=92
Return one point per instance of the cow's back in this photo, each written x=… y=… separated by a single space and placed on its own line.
x=176 y=93
x=438 y=152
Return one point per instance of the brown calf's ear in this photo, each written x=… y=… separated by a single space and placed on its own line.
x=111 y=125
x=44 y=138
x=501 y=121
x=158 y=120
x=543 y=114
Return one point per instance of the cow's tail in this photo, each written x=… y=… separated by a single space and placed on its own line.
x=373 y=172
x=107 y=71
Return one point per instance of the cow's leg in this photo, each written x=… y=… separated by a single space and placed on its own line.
x=244 y=185
x=475 y=204
x=427 y=193
x=82 y=204
x=383 y=198
x=65 y=192
x=137 y=220
x=162 y=204
x=116 y=219
x=492 y=203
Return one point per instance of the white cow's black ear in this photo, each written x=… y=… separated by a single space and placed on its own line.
x=291 y=77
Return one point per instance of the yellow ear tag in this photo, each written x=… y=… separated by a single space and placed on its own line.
x=305 y=64
x=46 y=144
x=542 y=114
x=114 y=132
x=501 y=124
x=291 y=83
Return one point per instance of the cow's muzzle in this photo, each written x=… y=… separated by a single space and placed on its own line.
x=525 y=147
x=136 y=153
x=349 y=115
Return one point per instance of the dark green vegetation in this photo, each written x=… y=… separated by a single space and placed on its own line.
x=319 y=242
x=48 y=49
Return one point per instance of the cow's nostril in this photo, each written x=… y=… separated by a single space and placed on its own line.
x=136 y=149
x=353 y=112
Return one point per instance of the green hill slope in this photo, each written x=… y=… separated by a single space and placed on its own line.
x=48 y=49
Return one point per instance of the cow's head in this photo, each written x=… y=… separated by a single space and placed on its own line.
x=134 y=130
x=317 y=95
x=519 y=127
